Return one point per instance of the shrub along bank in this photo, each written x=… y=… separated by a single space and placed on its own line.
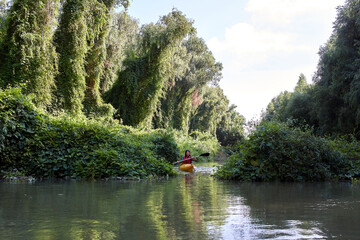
x=280 y=151
x=198 y=143
x=43 y=146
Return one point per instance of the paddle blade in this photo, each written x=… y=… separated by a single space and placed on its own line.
x=204 y=155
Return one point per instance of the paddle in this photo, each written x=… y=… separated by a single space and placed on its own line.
x=201 y=155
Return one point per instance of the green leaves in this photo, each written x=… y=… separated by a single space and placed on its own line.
x=331 y=105
x=28 y=56
x=280 y=151
x=78 y=147
x=139 y=86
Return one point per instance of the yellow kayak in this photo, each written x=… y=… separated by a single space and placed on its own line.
x=187 y=167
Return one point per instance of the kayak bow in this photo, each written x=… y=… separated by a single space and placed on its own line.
x=187 y=167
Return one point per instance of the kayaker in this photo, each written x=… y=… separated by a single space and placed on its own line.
x=187 y=159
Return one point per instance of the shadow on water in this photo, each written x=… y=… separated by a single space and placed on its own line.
x=186 y=207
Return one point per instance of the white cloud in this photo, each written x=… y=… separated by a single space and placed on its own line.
x=251 y=45
x=251 y=91
x=286 y=11
x=265 y=55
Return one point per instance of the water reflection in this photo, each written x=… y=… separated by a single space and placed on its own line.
x=186 y=207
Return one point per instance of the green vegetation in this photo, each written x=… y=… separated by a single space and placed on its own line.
x=87 y=92
x=322 y=141
x=27 y=56
x=194 y=68
x=43 y=146
x=40 y=145
x=198 y=143
x=136 y=92
x=283 y=152
x=331 y=104
x=73 y=72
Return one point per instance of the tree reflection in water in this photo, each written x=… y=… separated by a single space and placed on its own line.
x=186 y=207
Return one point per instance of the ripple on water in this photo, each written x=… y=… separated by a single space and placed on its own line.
x=239 y=224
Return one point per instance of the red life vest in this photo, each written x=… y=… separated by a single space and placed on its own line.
x=188 y=161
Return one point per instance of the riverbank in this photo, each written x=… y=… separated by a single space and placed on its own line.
x=277 y=151
x=40 y=145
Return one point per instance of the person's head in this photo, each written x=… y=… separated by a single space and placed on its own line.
x=187 y=153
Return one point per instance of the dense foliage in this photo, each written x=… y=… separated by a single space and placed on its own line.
x=136 y=92
x=123 y=35
x=280 y=151
x=65 y=57
x=44 y=146
x=82 y=65
x=194 y=68
x=198 y=143
x=71 y=54
x=27 y=54
x=331 y=105
x=80 y=41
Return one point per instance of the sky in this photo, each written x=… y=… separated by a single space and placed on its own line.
x=264 y=45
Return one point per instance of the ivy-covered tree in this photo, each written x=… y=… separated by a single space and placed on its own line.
x=81 y=37
x=197 y=68
x=123 y=36
x=98 y=26
x=136 y=92
x=4 y=13
x=210 y=112
x=28 y=57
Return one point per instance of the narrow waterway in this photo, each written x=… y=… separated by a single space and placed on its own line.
x=185 y=207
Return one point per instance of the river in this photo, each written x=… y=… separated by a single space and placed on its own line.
x=184 y=207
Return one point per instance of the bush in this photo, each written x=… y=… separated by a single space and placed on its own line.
x=280 y=151
x=44 y=146
x=197 y=142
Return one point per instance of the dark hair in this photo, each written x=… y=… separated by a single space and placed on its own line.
x=187 y=151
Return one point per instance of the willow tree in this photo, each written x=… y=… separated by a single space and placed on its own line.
x=136 y=92
x=81 y=37
x=72 y=48
x=122 y=36
x=28 y=57
x=98 y=26
x=210 y=112
x=183 y=96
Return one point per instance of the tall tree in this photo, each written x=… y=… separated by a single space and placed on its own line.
x=136 y=92
x=28 y=57
x=276 y=108
x=183 y=95
x=230 y=129
x=72 y=47
x=337 y=100
x=301 y=84
x=98 y=26
x=297 y=105
x=81 y=37
x=122 y=37
x=210 y=112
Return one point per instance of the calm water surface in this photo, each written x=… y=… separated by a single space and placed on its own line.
x=185 y=207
